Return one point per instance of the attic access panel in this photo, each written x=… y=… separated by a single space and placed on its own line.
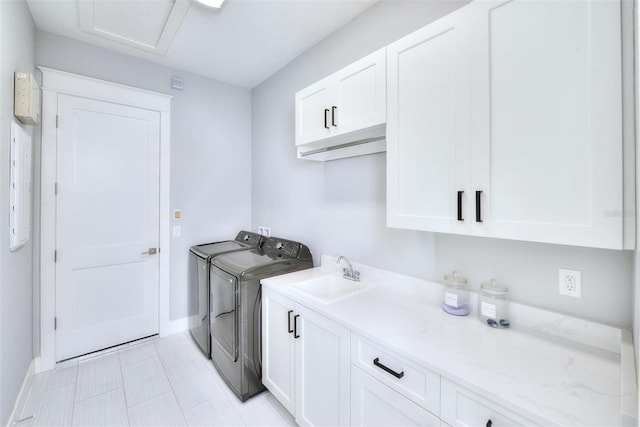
x=150 y=25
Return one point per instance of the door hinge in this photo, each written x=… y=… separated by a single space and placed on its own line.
x=55 y=323
x=56 y=189
x=55 y=256
x=57 y=121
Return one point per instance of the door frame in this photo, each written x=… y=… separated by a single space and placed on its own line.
x=55 y=82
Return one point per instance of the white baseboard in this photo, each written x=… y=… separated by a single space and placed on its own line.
x=629 y=383
x=175 y=326
x=23 y=394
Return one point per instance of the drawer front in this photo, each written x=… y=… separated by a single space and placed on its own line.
x=461 y=407
x=408 y=379
x=376 y=404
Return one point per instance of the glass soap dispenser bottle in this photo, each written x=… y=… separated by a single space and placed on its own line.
x=493 y=304
x=456 y=295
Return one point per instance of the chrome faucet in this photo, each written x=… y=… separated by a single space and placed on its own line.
x=348 y=272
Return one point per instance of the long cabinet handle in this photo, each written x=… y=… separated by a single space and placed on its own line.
x=376 y=362
x=289 y=321
x=333 y=116
x=295 y=326
x=326 y=125
x=479 y=206
x=460 y=193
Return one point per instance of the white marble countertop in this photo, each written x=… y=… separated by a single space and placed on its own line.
x=544 y=378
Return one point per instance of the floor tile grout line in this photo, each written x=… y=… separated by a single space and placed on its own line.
x=124 y=391
x=261 y=413
x=157 y=395
x=75 y=390
x=132 y=347
x=173 y=392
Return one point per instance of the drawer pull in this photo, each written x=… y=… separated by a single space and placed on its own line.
x=479 y=208
x=289 y=321
x=295 y=326
x=376 y=362
x=460 y=193
x=489 y=423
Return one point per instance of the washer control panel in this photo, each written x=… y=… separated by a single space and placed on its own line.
x=282 y=247
x=249 y=238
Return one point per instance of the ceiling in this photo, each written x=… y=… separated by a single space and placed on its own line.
x=243 y=43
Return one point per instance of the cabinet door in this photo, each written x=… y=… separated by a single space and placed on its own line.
x=322 y=370
x=461 y=407
x=360 y=95
x=312 y=121
x=428 y=127
x=278 y=347
x=375 y=404
x=547 y=121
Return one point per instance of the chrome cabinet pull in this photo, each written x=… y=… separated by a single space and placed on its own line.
x=326 y=125
x=478 y=206
x=333 y=116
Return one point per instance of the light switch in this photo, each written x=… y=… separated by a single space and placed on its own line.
x=177 y=230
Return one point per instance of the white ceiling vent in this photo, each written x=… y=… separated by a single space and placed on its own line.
x=149 y=25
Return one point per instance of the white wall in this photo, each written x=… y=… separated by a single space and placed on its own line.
x=636 y=291
x=338 y=207
x=335 y=207
x=210 y=145
x=17 y=38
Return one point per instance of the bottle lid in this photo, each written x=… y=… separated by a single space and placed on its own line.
x=494 y=288
x=454 y=279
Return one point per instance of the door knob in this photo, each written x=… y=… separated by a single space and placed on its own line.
x=151 y=251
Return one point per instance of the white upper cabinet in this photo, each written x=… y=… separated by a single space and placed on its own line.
x=428 y=128
x=505 y=120
x=547 y=129
x=346 y=107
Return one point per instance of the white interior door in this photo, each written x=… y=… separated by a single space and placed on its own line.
x=107 y=220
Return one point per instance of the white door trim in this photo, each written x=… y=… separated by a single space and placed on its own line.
x=56 y=82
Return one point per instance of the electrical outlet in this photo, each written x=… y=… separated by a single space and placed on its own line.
x=264 y=231
x=570 y=283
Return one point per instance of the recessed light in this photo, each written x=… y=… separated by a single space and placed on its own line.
x=211 y=3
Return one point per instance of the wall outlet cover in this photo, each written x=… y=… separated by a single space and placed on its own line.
x=570 y=283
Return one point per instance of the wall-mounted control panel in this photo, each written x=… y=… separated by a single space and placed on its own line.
x=20 y=187
x=26 y=105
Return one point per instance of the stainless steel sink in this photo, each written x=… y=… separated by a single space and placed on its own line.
x=329 y=288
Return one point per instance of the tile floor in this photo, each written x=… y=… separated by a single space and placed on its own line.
x=156 y=382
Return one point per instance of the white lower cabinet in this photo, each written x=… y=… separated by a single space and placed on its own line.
x=325 y=375
x=278 y=348
x=375 y=404
x=412 y=381
x=306 y=361
x=461 y=407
